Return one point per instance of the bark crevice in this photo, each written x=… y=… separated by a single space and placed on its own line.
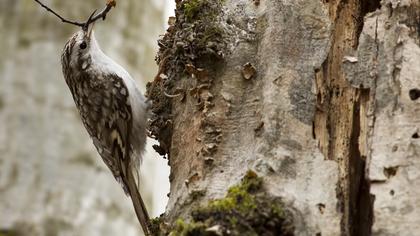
x=366 y=7
x=341 y=117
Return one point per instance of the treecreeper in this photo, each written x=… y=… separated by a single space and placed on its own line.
x=111 y=107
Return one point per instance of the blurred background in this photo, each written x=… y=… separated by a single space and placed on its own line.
x=52 y=181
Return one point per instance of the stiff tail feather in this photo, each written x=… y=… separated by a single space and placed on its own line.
x=138 y=203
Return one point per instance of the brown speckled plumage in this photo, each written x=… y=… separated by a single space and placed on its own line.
x=106 y=114
x=112 y=110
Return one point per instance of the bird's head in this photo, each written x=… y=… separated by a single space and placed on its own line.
x=77 y=53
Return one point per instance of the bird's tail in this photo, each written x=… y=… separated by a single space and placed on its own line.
x=138 y=203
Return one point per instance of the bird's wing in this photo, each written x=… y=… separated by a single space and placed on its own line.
x=108 y=120
x=114 y=140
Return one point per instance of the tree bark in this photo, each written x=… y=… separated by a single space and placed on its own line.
x=317 y=97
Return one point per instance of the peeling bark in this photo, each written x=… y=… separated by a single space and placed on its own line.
x=305 y=93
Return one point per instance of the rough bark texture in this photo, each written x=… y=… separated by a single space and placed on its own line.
x=318 y=97
x=393 y=156
x=52 y=181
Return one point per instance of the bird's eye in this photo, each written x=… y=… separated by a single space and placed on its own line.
x=83 y=45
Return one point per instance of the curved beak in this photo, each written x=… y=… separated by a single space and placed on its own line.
x=90 y=30
x=88 y=27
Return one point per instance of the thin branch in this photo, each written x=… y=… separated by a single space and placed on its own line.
x=57 y=15
x=92 y=18
x=102 y=14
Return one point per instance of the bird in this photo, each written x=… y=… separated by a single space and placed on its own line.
x=112 y=109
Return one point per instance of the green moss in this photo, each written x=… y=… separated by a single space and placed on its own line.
x=197 y=37
x=210 y=34
x=197 y=33
x=189 y=229
x=155 y=226
x=200 y=9
x=246 y=210
x=239 y=197
x=201 y=15
x=191 y=8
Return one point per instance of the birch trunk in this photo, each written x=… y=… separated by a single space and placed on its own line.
x=317 y=97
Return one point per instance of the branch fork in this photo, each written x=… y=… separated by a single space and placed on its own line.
x=92 y=18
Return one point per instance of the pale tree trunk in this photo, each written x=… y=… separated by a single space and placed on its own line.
x=328 y=118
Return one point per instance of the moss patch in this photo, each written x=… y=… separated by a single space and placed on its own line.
x=239 y=198
x=246 y=210
x=200 y=33
x=192 y=8
x=196 y=39
x=155 y=225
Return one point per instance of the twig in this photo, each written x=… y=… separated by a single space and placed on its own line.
x=102 y=14
x=57 y=15
x=92 y=17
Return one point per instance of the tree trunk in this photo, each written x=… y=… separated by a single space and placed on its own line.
x=316 y=97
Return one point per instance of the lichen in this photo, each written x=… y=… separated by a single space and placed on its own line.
x=192 y=8
x=156 y=225
x=195 y=38
x=245 y=210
